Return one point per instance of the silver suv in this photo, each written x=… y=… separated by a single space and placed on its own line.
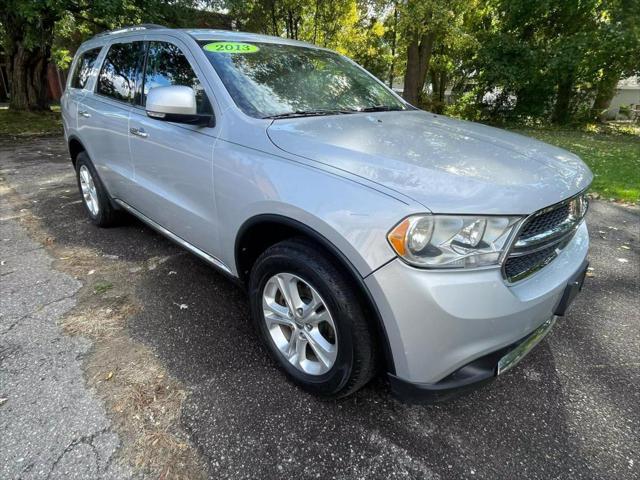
x=369 y=234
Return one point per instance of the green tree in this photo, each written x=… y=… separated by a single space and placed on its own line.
x=421 y=24
x=553 y=59
x=343 y=25
x=615 y=51
x=28 y=30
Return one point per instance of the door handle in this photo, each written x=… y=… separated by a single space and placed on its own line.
x=138 y=132
x=84 y=113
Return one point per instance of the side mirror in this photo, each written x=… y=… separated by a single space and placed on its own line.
x=176 y=103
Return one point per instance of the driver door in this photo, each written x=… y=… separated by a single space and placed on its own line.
x=174 y=162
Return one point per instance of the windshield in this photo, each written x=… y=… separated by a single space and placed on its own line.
x=270 y=80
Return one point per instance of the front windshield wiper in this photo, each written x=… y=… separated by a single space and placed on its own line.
x=309 y=113
x=315 y=113
x=380 y=108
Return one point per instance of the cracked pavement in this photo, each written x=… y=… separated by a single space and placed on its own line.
x=570 y=410
x=51 y=425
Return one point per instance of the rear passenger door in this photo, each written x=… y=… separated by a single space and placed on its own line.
x=103 y=116
x=173 y=162
x=77 y=87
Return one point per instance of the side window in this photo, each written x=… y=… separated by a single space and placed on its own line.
x=120 y=74
x=167 y=65
x=83 y=67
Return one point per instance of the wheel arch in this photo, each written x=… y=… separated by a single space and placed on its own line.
x=261 y=231
x=75 y=148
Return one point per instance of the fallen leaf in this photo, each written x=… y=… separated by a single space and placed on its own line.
x=622 y=260
x=109 y=375
x=91 y=272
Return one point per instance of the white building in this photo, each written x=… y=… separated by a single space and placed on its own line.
x=628 y=97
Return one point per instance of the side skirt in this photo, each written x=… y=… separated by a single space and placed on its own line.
x=180 y=241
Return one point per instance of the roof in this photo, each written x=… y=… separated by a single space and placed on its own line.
x=198 y=34
x=210 y=34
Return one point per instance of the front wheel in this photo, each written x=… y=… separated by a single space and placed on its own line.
x=311 y=319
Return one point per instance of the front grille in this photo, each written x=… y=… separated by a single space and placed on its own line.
x=543 y=235
x=545 y=221
x=515 y=267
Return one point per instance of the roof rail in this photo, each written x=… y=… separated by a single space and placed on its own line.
x=130 y=28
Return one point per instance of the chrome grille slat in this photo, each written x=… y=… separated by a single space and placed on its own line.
x=520 y=252
x=542 y=236
x=547 y=236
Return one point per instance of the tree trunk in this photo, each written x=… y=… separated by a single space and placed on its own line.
x=28 y=77
x=561 y=112
x=605 y=93
x=274 y=21
x=418 y=58
x=316 y=13
x=27 y=67
x=394 y=39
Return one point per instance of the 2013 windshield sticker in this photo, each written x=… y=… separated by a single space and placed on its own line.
x=230 y=47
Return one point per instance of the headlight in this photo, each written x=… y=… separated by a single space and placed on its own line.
x=448 y=241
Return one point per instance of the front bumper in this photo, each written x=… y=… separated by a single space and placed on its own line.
x=449 y=329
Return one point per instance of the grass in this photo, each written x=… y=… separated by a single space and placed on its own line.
x=102 y=287
x=611 y=151
x=28 y=124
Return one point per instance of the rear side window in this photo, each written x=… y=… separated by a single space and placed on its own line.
x=83 y=67
x=120 y=75
x=166 y=66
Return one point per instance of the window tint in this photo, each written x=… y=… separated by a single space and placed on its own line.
x=166 y=66
x=267 y=79
x=120 y=74
x=83 y=67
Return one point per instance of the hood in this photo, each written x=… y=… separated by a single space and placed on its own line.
x=449 y=166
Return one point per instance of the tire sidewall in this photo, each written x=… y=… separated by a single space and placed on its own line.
x=317 y=276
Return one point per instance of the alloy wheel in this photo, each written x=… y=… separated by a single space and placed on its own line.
x=89 y=193
x=299 y=323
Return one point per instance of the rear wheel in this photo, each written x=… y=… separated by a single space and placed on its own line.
x=94 y=196
x=311 y=319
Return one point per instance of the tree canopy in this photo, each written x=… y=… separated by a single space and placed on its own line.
x=548 y=60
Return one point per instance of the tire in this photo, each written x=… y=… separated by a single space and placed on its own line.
x=95 y=198
x=343 y=366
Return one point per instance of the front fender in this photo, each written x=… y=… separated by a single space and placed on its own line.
x=353 y=217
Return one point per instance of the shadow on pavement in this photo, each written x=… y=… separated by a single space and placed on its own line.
x=249 y=422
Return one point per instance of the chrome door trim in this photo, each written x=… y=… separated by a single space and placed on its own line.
x=172 y=236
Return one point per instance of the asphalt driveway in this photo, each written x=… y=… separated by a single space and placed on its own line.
x=570 y=410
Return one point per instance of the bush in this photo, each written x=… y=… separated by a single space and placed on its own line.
x=466 y=107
